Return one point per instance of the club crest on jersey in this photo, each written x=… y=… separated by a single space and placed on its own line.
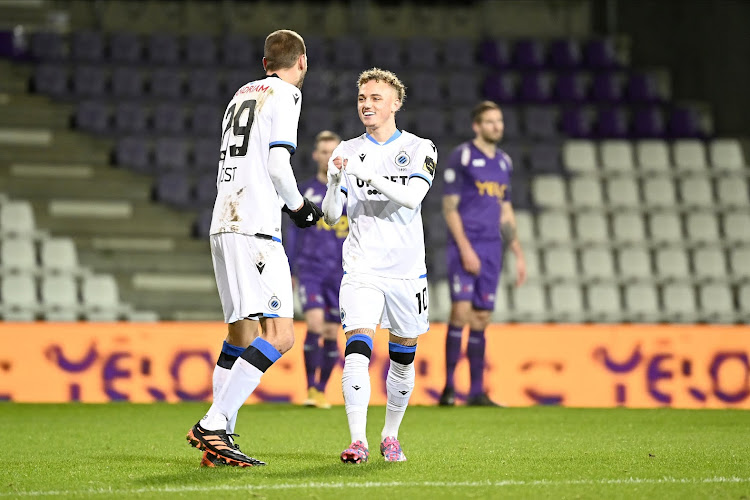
x=274 y=303
x=429 y=166
x=402 y=160
x=343 y=315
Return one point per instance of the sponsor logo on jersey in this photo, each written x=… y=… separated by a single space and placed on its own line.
x=362 y=157
x=260 y=266
x=251 y=88
x=402 y=160
x=449 y=175
x=296 y=98
x=429 y=165
x=477 y=162
x=274 y=303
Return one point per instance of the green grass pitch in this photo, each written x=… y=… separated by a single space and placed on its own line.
x=139 y=451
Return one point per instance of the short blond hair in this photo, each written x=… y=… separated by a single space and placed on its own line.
x=481 y=108
x=382 y=75
x=326 y=135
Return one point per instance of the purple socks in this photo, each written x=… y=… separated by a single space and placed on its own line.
x=329 y=359
x=452 y=353
x=312 y=356
x=475 y=353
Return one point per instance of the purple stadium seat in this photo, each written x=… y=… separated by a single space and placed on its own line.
x=92 y=116
x=464 y=88
x=544 y=157
x=607 y=87
x=348 y=52
x=131 y=117
x=317 y=87
x=125 y=47
x=536 y=87
x=565 y=53
x=422 y=53
x=511 y=123
x=500 y=87
x=51 y=79
x=385 y=53
x=206 y=155
x=171 y=153
x=520 y=194
x=163 y=48
x=203 y=223
x=459 y=121
x=431 y=122
x=425 y=88
x=517 y=155
x=89 y=81
x=200 y=50
x=684 y=121
x=238 y=50
x=166 y=83
x=87 y=46
x=577 y=122
x=317 y=51
x=542 y=122
x=46 y=46
x=205 y=190
x=204 y=84
x=343 y=87
x=127 y=81
x=351 y=126
x=313 y=119
x=173 y=188
x=133 y=152
x=642 y=88
x=169 y=118
x=495 y=53
x=571 y=87
x=612 y=123
x=529 y=54
x=459 y=53
x=599 y=53
x=206 y=120
x=235 y=79
x=648 y=122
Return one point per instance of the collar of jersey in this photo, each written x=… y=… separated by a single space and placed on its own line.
x=395 y=136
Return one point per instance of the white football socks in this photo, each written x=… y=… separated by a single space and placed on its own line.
x=219 y=379
x=399 y=385
x=355 y=382
x=242 y=381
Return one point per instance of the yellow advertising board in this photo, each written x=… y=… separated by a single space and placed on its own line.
x=640 y=366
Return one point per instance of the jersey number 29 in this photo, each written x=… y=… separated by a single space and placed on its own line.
x=233 y=122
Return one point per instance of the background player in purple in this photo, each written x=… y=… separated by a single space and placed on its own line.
x=315 y=259
x=481 y=223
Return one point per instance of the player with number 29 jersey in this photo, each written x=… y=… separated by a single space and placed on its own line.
x=247 y=201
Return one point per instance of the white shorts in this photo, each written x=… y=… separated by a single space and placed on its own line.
x=396 y=304
x=252 y=275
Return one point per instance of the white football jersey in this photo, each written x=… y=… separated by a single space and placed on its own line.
x=385 y=238
x=261 y=115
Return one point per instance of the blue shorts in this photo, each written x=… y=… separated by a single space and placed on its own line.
x=481 y=289
x=320 y=290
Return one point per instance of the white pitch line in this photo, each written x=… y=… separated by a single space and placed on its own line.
x=375 y=484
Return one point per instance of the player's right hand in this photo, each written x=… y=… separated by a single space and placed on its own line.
x=335 y=166
x=470 y=261
x=305 y=216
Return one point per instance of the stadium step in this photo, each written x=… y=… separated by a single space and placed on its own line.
x=29 y=111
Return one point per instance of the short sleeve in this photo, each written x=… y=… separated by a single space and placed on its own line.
x=425 y=162
x=453 y=174
x=287 y=105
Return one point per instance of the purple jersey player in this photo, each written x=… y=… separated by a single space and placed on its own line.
x=315 y=260
x=480 y=219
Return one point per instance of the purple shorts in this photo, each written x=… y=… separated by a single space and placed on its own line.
x=321 y=290
x=481 y=289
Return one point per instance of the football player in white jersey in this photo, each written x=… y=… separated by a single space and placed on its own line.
x=255 y=183
x=382 y=177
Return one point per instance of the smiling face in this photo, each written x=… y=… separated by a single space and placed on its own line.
x=377 y=104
